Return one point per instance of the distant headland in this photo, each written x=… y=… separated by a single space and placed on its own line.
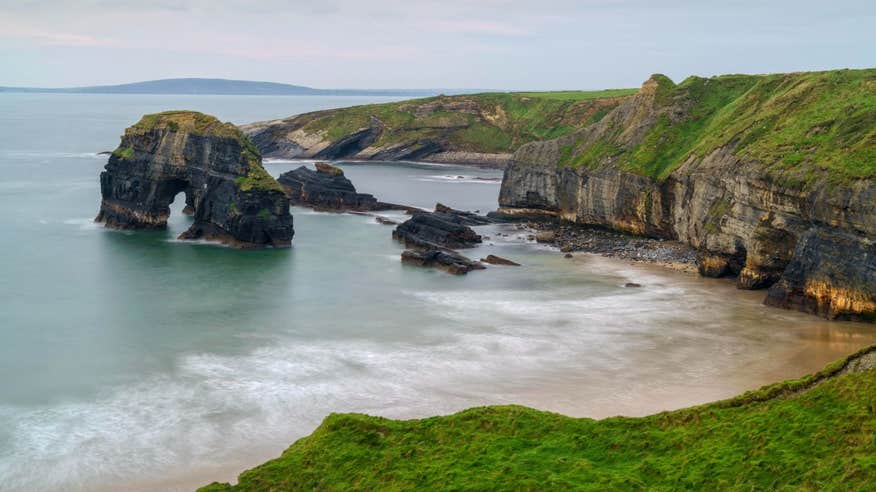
x=204 y=86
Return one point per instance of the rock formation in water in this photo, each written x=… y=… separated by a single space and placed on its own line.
x=231 y=196
x=443 y=228
x=770 y=177
x=443 y=259
x=498 y=260
x=481 y=129
x=433 y=236
x=326 y=188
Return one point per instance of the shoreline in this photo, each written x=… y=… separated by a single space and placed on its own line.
x=572 y=238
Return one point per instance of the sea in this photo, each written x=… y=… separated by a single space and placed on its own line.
x=135 y=361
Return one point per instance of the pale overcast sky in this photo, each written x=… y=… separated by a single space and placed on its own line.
x=502 y=44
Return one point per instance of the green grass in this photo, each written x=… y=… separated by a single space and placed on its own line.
x=803 y=128
x=489 y=122
x=187 y=121
x=578 y=95
x=196 y=123
x=258 y=179
x=124 y=153
x=812 y=433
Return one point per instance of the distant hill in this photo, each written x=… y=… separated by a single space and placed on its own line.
x=229 y=87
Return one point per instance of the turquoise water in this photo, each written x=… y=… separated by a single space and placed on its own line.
x=132 y=361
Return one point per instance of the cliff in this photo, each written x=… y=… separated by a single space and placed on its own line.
x=231 y=196
x=475 y=129
x=812 y=433
x=770 y=177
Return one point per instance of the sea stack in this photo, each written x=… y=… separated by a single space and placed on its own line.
x=325 y=188
x=231 y=196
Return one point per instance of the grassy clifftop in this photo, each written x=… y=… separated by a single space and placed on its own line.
x=800 y=126
x=204 y=125
x=815 y=433
x=490 y=123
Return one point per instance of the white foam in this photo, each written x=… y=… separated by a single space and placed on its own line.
x=85 y=224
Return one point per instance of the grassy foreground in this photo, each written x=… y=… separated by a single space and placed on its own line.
x=813 y=433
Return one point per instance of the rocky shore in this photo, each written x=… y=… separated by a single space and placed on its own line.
x=574 y=238
x=768 y=177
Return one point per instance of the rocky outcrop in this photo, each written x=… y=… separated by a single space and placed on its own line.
x=480 y=129
x=498 y=260
x=228 y=192
x=325 y=188
x=443 y=228
x=442 y=259
x=433 y=236
x=736 y=167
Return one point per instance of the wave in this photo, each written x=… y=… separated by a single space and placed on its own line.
x=84 y=223
x=38 y=154
x=458 y=179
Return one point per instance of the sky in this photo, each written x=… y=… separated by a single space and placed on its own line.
x=488 y=44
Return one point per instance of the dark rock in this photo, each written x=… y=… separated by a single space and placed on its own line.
x=464 y=218
x=324 y=188
x=820 y=279
x=568 y=255
x=232 y=198
x=434 y=229
x=632 y=285
x=105 y=152
x=498 y=260
x=446 y=260
x=385 y=221
x=445 y=227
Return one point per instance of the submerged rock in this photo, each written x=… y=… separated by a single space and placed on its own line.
x=385 y=220
x=449 y=261
x=498 y=260
x=230 y=195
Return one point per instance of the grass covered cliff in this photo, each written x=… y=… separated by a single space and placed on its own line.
x=813 y=433
x=479 y=128
x=772 y=178
x=801 y=127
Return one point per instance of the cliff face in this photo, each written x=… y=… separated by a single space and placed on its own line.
x=479 y=129
x=233 y=199
x=770 y=177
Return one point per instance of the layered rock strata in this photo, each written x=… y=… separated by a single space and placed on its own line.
x=766 y=176
x=326 y=188
x=227 y=191
x=439 y=229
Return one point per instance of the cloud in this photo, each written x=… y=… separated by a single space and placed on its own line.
x=466 y=26
x=52 y=38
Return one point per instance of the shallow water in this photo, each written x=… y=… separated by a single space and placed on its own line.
x=135 y=361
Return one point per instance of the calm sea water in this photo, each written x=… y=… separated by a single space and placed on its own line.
x=132 y=361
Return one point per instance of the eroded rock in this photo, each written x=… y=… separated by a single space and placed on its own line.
x=443 y=228
x=449 y=261
x=230 y=195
